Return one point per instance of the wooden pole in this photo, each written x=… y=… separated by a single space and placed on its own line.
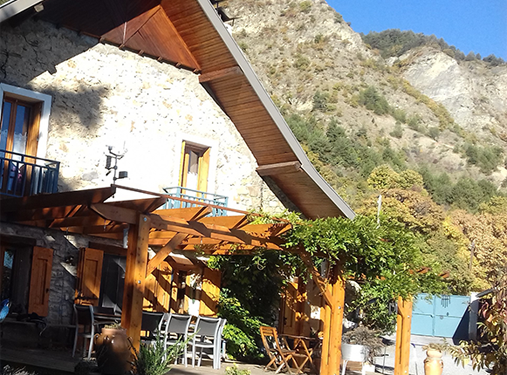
x=135 y=278
x=333 y=326
x=338 y=289
x=324 y=362
x=403 y=326
x=302 y=320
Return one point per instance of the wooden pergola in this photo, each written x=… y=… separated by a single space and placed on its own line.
x=183 y=230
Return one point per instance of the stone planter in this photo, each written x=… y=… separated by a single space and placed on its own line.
x=433 y=364
x=112 y=349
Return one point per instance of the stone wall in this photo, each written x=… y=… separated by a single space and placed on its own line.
x=104 y=96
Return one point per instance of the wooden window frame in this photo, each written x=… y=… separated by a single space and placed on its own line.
x=203 y=164
x=39 y=136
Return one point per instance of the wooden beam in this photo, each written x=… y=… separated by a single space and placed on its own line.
x=403 y=325
x=279 y=168
x=69 y=198
x=109 y=249
x=114 y=213
x=164 y=252
x=135 y=278
x=218 y=74
x=190 y=213
x=231 y=222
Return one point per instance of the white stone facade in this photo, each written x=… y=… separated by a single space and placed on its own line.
x=104 y=96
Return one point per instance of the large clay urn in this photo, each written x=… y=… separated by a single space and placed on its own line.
x=433 y=364
x=113 y=351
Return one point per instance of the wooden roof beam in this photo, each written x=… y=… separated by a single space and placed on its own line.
x=219 y=74
x=279 y=168
x=164 y=252
x=69 y=198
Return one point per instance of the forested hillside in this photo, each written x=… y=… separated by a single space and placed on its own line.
x=374 y=120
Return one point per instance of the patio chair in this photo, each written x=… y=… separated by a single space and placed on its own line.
x=222 y=344
x=150 y=324
x=176 y=328
x=278 y=355
x=85 y=319
x=206 y=336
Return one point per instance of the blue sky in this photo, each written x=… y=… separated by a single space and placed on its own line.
x=469 y=25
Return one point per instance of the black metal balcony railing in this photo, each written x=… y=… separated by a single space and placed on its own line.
x=195 y=195
x=23 y=175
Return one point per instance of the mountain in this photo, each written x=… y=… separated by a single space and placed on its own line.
x=422 y=109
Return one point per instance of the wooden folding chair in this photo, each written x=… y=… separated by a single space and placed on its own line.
x=279 y=357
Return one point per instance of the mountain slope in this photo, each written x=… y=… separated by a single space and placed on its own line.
x=428 y=107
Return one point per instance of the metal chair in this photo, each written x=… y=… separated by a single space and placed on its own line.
x=206 y=336
x=151 y=323
x=222 y=344
x=176 y=328
x=84 y=317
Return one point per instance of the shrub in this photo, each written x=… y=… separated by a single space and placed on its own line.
x=397 y=132
x=371 y=99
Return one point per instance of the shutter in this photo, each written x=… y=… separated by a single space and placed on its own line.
x=40 y=280
x=202 y=177
x=89 y=274
x=183 y=165
x=210 y=293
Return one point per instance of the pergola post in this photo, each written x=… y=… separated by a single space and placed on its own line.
x=333 y=325
x=135 y=278
x=403 y=325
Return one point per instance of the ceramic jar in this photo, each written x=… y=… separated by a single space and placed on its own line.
x=433 y=364
x=112 y=349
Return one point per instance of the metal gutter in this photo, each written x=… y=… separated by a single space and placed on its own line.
x=273 y=111
x=11 y=8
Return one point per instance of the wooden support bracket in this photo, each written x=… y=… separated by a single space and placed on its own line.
x=279 y=168
x=222 y=73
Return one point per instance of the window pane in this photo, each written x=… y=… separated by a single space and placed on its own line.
x=21 y=128
x=6 y=116
x=7 y=274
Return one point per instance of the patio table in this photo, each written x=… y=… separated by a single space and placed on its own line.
x=300 y=345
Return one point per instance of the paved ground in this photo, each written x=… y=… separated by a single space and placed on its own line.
x=385 y=364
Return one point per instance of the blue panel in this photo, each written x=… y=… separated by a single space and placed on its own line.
x=445 y=316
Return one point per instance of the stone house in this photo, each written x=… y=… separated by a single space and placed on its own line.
x=158 y=89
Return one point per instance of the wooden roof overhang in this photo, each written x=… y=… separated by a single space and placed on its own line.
x=191 y=35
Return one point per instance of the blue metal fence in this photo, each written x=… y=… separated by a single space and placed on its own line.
x=22 y=175
x=196 y=196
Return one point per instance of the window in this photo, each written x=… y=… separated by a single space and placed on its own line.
x=19 y=126
x=194 y=167
x=24 y=120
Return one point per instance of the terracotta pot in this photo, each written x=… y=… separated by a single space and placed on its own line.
x=113 y=351
x=433 y=364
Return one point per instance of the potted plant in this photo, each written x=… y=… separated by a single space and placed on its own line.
x=154 y=358
x=361 y=344
x=112 y=350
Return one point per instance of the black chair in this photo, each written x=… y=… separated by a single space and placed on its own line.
x=151 y=324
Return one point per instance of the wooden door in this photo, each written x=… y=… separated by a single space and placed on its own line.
x=89 y=274
x=40 y=278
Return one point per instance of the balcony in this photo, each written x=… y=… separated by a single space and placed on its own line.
x=196 y=196
x=23 y=175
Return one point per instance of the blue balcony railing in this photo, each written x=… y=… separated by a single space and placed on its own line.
x=196 y=196
x=22 y=175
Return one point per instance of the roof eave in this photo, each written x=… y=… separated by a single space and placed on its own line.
x=275 y=114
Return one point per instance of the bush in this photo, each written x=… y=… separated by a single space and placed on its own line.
x=153 y=359
x=372 y=100
x=397 y=132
